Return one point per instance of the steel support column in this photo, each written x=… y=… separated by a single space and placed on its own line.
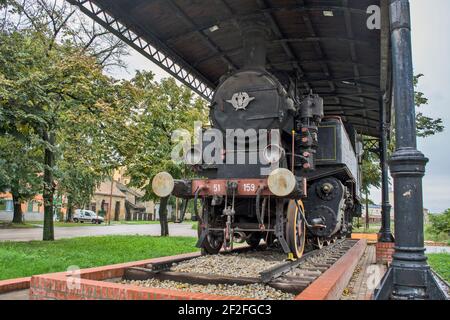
x=385 y=231
x=410 y=276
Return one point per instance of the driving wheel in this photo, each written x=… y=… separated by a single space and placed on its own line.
x=296 y=228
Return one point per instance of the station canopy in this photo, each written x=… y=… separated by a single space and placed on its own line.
x=326 y=44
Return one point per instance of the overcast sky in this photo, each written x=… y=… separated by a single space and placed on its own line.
x=431 y=49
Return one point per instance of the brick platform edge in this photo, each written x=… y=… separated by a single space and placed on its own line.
x=385 y=250
x=91 y=284
x=332 y=283
x=7 y=286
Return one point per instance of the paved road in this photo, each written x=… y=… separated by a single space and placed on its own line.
x=183 y=230
x=16 y=295
x=431 y=249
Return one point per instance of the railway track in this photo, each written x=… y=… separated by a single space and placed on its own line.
x=251 y=274
x=444 y=285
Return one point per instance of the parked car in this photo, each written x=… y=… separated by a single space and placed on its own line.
x=87 y=216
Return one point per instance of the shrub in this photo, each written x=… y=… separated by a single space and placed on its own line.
x=440 y=223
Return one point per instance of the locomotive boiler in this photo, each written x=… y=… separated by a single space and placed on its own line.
x=285 y=172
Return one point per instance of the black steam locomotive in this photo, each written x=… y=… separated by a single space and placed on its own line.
x=305 y=188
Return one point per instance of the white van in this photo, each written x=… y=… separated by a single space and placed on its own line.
x=87 y=216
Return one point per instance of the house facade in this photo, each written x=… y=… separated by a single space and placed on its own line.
x=101 y=200
x=33 y=210
x=126 y=203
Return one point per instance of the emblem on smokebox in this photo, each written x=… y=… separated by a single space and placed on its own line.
x=241 y=100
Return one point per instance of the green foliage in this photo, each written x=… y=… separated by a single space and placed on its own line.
x=21 y=165
x=61 y=92
x=426 y=126
x=53 y=92
x=31 y=258
x=371 y=170
x=440 y=223
x=441 y=264
x=164 y=107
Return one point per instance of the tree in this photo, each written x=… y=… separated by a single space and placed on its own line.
x=440 y=223
x=164 y=107
x=58 y=21
x=93 y=144
x=20 y=174
x=52 y=63
x=426 y=127
x=48 y=92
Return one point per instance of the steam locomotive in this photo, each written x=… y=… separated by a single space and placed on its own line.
x=304 y=188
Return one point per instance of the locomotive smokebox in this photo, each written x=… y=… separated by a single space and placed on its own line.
x=252 y=98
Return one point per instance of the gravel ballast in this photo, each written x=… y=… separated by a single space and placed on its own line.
x=248 y=264
x=252 y=291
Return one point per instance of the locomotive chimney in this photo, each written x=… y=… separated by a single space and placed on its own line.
x=255 y=36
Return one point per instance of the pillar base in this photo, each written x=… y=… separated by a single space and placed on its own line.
x=427 y=288
x=385 y=237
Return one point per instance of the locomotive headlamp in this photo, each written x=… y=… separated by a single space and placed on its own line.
x=163 y=184
x=282 y=182
x=193 y=156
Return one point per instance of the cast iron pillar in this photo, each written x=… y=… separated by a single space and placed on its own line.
x=409 y=276
x=385 y=231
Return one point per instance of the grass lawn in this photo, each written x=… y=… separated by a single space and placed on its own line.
x=430 y=236
x=68 y=224
x=21 y=259
x=441 y=264
x=17 y=226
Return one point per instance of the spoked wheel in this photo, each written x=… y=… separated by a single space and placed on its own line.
x=296 y=228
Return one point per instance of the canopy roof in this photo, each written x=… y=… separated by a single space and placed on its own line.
x=325 y=43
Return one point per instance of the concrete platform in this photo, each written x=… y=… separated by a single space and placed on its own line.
x=366 y=277
x=16 y=295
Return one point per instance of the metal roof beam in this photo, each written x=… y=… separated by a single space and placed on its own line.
x=324 y=39
x=271 y=10
x=280 y=39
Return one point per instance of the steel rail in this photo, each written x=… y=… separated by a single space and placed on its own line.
x=286 y=267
